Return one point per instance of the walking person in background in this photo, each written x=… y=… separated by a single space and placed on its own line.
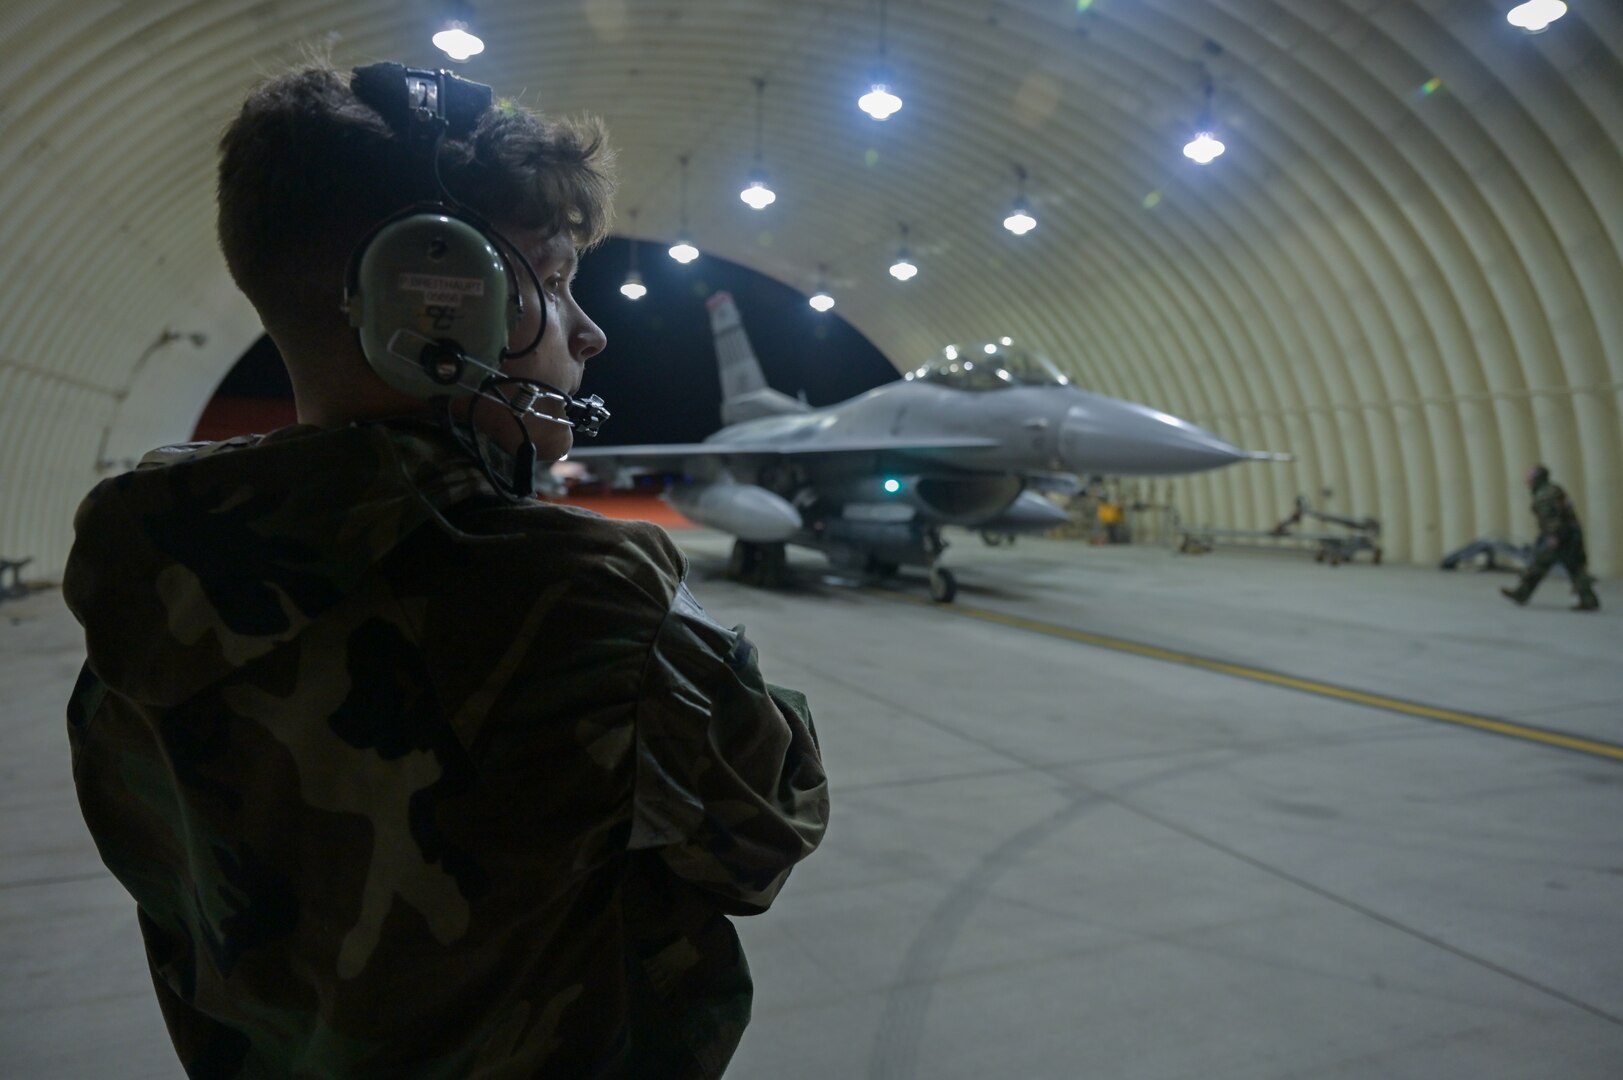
x=1560 y=540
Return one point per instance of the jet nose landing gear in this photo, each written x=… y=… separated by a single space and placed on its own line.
x=943 y=584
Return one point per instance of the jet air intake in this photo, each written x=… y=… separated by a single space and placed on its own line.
x=946 y=498
x=966 y=500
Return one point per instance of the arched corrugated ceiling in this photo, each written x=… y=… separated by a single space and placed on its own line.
x=1415 y=289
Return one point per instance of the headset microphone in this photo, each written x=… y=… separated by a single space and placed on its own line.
x=432 y=290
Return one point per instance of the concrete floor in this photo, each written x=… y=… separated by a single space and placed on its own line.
x=1055 y=859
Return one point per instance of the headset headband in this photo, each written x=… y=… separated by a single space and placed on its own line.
x=406 y=96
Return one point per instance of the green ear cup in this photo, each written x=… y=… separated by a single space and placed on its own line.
x=431 y=293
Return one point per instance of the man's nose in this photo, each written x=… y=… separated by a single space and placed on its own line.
x=589 y=339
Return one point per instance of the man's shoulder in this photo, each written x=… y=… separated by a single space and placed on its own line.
x=555 y=540
x=560 y=522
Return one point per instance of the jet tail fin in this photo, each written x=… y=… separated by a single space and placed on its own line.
x=744 y=392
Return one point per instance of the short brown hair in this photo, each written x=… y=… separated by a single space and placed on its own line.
x=306 y=168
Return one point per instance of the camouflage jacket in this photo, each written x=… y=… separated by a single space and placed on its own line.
x=1554 y=511
x=407 y=781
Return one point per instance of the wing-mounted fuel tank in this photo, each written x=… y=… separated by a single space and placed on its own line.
x=748 y=512
x=941 y=498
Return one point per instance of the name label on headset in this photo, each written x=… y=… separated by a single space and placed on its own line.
x=442 y=289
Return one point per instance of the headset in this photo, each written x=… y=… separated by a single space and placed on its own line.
x=432 y=291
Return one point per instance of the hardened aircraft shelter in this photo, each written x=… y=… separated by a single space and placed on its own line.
x=1118 y=811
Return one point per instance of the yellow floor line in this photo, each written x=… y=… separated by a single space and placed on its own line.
x=1290 y=682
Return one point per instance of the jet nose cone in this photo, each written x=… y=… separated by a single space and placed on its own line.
x=1104 y=435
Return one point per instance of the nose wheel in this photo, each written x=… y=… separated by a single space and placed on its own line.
x=943 y=585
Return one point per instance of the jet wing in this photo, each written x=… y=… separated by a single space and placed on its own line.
x=660 y=457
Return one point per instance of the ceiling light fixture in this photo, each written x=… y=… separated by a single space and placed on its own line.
x=880 y=102
x=903 y=269
x=633 y=288
x=820 y=300
x=1020 y=221
x=456 y=38
x=756 y=193
x=1204 y=148
x=683 y=250
x=1535 y=15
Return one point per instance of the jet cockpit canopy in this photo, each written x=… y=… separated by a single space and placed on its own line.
x=988 y=366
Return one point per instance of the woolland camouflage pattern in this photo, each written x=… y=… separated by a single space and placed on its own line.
x=408 y=781
x=1560 y=540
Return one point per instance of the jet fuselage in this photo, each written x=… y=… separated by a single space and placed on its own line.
x=1035 y=428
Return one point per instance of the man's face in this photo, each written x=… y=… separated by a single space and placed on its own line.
x=559 y=360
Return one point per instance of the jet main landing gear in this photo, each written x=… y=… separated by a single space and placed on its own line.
x=762 y=565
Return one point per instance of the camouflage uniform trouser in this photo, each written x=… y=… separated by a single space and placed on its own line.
x=1566 y=549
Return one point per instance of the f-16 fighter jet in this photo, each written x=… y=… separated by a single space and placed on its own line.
x=968 y=439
